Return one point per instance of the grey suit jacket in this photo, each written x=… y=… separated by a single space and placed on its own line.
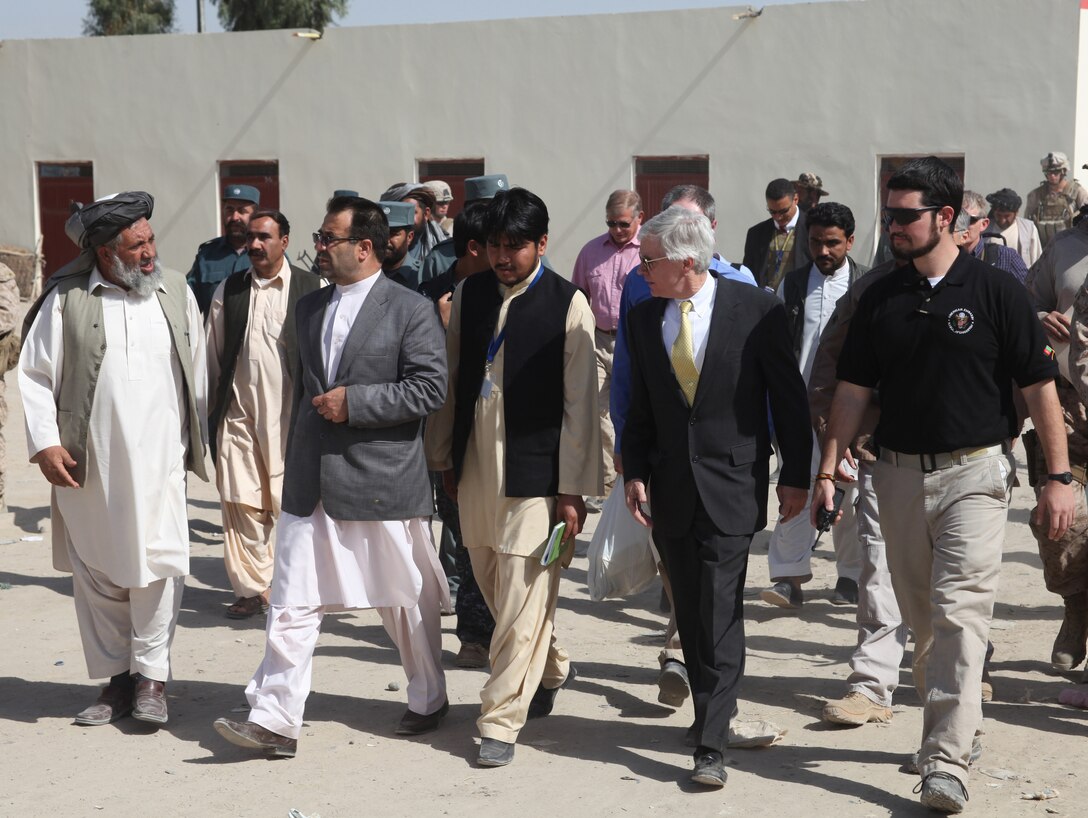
x=371 y=467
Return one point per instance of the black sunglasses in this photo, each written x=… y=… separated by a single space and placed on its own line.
x=903 y=215
x=620 y=225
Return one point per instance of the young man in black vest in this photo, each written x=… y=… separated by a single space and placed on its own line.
x=518 y=442
x=252 y=369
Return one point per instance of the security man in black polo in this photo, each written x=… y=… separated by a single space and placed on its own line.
x=943 y=339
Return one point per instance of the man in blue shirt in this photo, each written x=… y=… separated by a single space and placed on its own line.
x=673 y=682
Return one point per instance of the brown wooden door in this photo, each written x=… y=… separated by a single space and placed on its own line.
x=262 y=174
x=59 y=185
x=657 y=175
x=453 y=172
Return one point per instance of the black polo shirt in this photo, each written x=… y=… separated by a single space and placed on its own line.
x=944 y=358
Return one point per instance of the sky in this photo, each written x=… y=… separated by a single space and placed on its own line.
x=36 y=19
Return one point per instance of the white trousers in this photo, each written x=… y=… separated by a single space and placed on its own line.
x=789 y=553
x=278 y=690
x=882 y=636
x=125 y=629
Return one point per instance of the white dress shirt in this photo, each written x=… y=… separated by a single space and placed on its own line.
x=702 y=307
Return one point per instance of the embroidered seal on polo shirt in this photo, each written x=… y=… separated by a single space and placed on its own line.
x=961 y=320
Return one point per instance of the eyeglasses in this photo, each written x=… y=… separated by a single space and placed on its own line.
x=621 y=225
x=903 y=215
x=975 y=219
x=327 y=240
x=648 y=263
x=782 y=211
x=1053 y=173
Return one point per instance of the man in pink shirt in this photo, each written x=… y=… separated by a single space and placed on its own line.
x=599 y=272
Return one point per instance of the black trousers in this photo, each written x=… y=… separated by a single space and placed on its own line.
x=707 y=569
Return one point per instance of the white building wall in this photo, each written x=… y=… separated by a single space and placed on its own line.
x=559 y=104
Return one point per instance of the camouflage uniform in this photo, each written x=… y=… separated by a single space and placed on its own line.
x=1053 y=212
x=9 y=323
x=1055 y=284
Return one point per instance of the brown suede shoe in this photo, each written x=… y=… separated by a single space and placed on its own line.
x=253 y=736
x=150 y=701
x=114 y=703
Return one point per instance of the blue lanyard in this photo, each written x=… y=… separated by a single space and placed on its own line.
x=496 y=342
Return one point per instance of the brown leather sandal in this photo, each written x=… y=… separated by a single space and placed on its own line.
x=247 y=607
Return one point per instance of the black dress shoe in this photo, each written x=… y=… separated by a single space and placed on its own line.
x=709 y=768
x=544 y=699
x=253 y=736
x=846 y=592
x=495 y=753
x=413 y=724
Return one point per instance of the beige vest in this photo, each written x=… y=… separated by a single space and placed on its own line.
x=84 y=331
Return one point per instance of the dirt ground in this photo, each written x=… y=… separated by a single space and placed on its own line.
x=608 y=749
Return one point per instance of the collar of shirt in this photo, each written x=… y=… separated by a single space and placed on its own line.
x=954 y=275
x=98 y=280
x=702 y=302
x=844 y=267
x=792 y=225
x=279 y=279
x=607 y=240
x=521 y=286
x=358 y=288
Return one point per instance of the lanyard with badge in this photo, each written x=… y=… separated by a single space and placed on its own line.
x=496 y=343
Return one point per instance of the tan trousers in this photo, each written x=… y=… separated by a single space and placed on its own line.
x=944 y=531
x=125 y=629
x=521 y=595
x=248 y=551
x=673 y=651
x=605 y=344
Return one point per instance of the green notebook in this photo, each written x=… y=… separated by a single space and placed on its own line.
x=555 y=545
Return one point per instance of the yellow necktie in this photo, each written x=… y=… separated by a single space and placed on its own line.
x=683 y=356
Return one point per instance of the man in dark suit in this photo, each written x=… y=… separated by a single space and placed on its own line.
x=781 y=242
x=355 y=528
x=706 y=355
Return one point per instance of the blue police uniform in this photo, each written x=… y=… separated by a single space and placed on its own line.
x=215 y=261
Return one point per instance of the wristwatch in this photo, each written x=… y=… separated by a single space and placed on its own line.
x=1065 y=477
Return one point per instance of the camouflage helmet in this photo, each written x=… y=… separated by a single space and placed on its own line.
x=1055 y=161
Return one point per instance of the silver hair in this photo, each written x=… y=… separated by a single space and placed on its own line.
x=975 y=201
x=683 y=234
x=129 y=276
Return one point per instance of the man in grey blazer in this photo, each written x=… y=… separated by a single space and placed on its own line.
x=355 y=528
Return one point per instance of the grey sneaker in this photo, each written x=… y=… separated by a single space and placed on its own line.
x=784 y=594
x=943 y=792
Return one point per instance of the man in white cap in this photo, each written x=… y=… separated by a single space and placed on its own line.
x=112 y=376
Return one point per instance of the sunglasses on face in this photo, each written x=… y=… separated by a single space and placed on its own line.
x=621 y=225
x=327 y=240
x=903 y=215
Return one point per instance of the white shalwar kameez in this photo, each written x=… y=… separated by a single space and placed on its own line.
x=125 y=528
x=326 y=565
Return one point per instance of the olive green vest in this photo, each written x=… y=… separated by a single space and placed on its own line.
x=83 y=330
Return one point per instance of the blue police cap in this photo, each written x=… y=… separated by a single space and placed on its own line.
x=243 y=193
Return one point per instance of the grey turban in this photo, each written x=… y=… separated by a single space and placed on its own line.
x=100 y=221
x=397 y=192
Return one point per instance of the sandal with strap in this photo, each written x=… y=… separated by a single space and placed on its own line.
x=247 y=607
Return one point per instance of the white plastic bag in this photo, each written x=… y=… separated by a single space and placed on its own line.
x=621 y=562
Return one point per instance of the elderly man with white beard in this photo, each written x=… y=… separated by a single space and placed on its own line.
x=113 y=380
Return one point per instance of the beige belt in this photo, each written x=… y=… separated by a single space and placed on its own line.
x=942 y=460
